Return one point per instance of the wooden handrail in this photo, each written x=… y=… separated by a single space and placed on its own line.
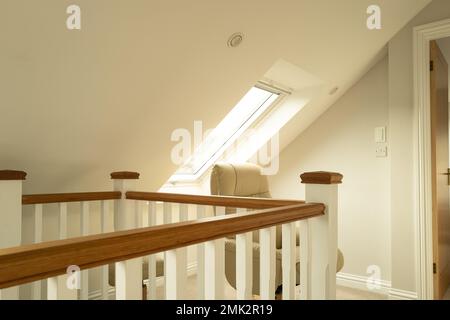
x=225 y=201
x=43 y=260
x=222 y=201
x=70 y=197
x=125 y=175
x=321 y=177
x=12 y=175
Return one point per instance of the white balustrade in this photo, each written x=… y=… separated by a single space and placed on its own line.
x=36 y=287
x=267 y=242
x=288 y=231
x=104 y=270
x=57 y=288
x=11 y=218
x=175 y=260
x=215 y=260
x=305 y=260
x=323 y=234
x=151 y=221
x=200 y=259
x=129 y=272
x=244 y=266
x=318 y=248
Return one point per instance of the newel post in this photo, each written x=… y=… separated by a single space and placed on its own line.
x=320 y=233
x=10 y=217
x=129 y=272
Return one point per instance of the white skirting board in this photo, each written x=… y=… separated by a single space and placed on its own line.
x=361 y=283
x=342 y=279
x=397 y=294
x=384 y=286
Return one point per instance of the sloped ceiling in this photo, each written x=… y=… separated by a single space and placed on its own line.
x=76 y=105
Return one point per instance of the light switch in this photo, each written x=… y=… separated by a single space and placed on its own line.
x=380 y=134
x=381 y=151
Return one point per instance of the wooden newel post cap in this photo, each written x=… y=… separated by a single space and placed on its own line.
x=125 y=175
x=12 y=175
x=321 y=177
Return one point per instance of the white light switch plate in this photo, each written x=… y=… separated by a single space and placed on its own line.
x=380 y=134
x=381 y=151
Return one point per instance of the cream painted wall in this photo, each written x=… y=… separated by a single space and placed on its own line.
x=401 y=120
x=342 y=140
x=400 y=123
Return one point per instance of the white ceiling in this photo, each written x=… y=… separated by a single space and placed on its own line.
x=76 y=105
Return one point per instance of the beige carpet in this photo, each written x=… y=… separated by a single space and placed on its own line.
x=342 y=293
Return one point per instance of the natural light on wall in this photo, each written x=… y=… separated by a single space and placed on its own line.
x=248 y=110
x=251 y=130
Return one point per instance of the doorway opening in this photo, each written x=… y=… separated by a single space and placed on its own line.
x=431 y=85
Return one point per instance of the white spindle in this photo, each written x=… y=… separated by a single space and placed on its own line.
x=175 y=275
x=129 y=286
x=305 y=258
x=267 y=241
x=52 y=288
x=200 y=260
x=167 y=212
x=321 y=187
x=104 y=270
x=288 y=260
x=138 y=214
x=139 y=220
x=85 y=218
x=11 y=218
x=84 y=290
x=184 y=210
x=167 y=218
x=37 y=223
x=151 y=258
x=62 y=221
x=128 y=273
x=57 y=286
x=215 y=261
x=182 y=252
x=244 y=261
x=174 y=263
x=53 y=284
x=36 y=286
x=323 y=242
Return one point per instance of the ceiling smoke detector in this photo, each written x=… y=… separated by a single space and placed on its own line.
x=235 y=40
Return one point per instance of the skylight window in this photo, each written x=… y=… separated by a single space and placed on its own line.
x=248 y=110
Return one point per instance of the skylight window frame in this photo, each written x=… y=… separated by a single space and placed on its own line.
x=246 y=125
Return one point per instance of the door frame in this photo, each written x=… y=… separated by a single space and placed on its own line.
x=422 y=153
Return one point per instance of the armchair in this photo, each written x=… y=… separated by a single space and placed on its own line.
x=246 y=180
